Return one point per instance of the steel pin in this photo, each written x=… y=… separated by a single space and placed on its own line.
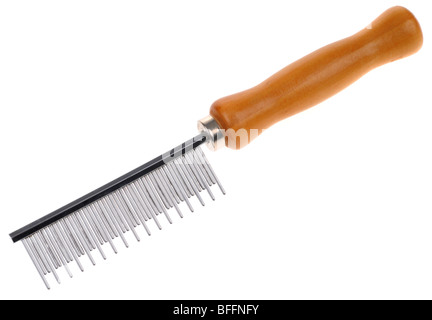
x=200 y=175
x=38 y=254
x=69 y=221
x=81 y=217
x=65 y=239
x=182 y=166
x=146 y=195
x=168 y=193
x=55 y=246
x=61 y=246
x=114 y=218
x=51 y=242
x=159 y=191
x=183 y=196
x=24 y=241
x=137 y=209
x=100 y=209
x=210 y=170
x=189 y=168
x=141 y=190
x=49 y=250
x=45 y=256
x=154 y=196
x=133 y=191
x=181 y=177
x=117 y=197
x=74 y=243
x=92 y=213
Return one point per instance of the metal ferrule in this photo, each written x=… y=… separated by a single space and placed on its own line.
x=214 y=134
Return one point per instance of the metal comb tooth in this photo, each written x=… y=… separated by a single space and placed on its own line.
x=36 y=263
x=115 y=214
x=55 y=245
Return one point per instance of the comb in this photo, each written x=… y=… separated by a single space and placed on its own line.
x=147 y=195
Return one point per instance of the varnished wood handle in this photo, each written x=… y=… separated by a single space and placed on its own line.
x=392 y=36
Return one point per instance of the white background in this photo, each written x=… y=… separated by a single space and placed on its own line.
x=334 y=203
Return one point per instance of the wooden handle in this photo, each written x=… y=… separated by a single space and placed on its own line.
x=393 y=35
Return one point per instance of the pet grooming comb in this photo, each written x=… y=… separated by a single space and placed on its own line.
x=143 y=196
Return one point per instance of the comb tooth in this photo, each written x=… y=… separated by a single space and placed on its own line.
x=156 y=199
x=45 y=256
x=86 y=230
x=142 y=211
x=97 y=233
x=60 y=244
x=175 y=194
x=148 y=203
x=153 y=194
x=182 y=193
x=124 y=212
x=205 y=177
x=188 y=168
x=133 y=216
x=146 y=191
x=142 y=218
x=94 y=224
x=118 y=196
x=166 y=192
x=71 y=224
x=81 y=217
x=210 y=169
x=170 y=185
x=126 y=217
x=105 y=209
x=139 y=209
x=117 y=214
x=134 y=188
x=36 y=264
x=192 y=183
x=119 y=223
x=93 y=213
x=56 y=248
x=101 y=211
x=130 y=202
x=48 y=250
x=34 y=253
x=195 y=156
x=79 y=228
x=159 y=190
x=169 y=180
x=199 y=175
x=68 y=234
x=204 y=164
x=64 y=245
x=38 y=256
x=128 y=196
x=181 y=178
x=68 y=245
x=135 y=220
x=110 y=213
x=74 y=243
x=85 y=235
x=140 y=184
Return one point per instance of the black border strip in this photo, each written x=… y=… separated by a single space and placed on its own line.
x=108 y=188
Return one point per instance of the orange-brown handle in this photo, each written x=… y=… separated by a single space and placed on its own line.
x=392 y=36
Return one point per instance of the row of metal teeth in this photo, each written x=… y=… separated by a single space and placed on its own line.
x=110 y=217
